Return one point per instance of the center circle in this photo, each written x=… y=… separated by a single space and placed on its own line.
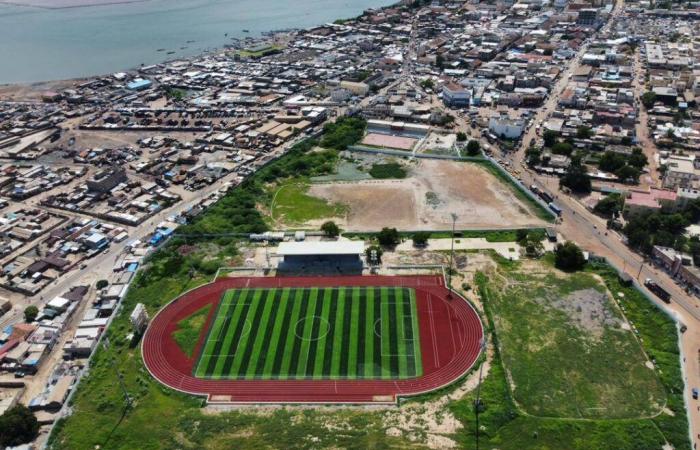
x=319 y=328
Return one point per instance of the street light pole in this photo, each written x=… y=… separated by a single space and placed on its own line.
x=452 y=253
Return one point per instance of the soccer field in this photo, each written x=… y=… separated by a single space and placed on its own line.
x=313 y=333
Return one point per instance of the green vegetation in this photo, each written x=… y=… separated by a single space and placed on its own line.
x=101 y=284
x=259 y=52
x=17 y=426
x=502 y=424
x=626 y=167
x=388 y=170
x=489 y=235
x=569 y=257
x=330 y=229
x=175 y=94
x=388 y=237
x=427 y=83
x=584 y=132
x=420 y=238
x=550 y=138
x=189 y=329
x=473 y=148
x=30 y=313
x=543 y=321
x=648 y=99
x=318 y=333
x=238 y=211
x=343 y=133
x=644 y=230
x=576 y=177
x=292 y=205
x=609 y=206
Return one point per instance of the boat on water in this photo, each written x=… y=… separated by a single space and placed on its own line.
x=160 y=50
x=246 y=31
x=170 y=53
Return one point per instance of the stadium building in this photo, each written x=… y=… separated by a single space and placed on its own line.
x=321 y=256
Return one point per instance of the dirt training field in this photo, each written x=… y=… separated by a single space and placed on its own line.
x=426 y=198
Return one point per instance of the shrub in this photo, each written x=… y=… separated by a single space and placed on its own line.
x=388 y=237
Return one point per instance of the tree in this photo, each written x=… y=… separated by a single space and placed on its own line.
x=576 y=177
x=330 y=229
x=521 y=235
x=584 y=132
x=628 y=174
x=648 y=99
x=609 y=206
x=550 y=137
x=388 y=237
x=461 y=136
x=30 y=313
x=18 y=426
x=439 y=61
x=101 y=284
x=534 y=156
x=637 y=158
x=473 y=148
x=374 y=254
x=427 y=84
x=569 y=257
x=611 y=161
x=533 y=246
x=562 y=148
x=420 y=238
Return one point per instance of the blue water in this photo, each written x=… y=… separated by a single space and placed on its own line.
x=41 y=44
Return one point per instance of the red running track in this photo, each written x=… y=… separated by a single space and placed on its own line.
x=450 y=338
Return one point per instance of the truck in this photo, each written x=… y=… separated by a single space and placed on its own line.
x=657 y=290
x=546 y=197
x=555 y=208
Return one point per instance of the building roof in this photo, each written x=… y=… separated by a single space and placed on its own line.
x=321 y=248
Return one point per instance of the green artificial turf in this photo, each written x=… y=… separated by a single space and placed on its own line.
x=313 y=333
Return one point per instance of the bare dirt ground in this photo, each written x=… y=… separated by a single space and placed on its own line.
x=32 y=92
x=425 y=200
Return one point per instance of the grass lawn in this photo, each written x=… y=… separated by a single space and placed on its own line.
x=313 y=333
x=568 y=350
x=189 y=329
x=388 y=170
x=292 y=205
x=503 y=423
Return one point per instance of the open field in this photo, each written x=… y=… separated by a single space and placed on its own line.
x=424 y=200
x=291 y=205
x=313 y=333
x=568 y=350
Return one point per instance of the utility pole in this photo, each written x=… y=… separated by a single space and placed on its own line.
x=641 y=266
x=452 y=253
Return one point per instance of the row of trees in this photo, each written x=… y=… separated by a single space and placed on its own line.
x=627 y=168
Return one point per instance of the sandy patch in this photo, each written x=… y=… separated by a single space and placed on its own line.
x=425 y=200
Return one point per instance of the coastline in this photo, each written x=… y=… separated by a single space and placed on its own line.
x=67 y=4
x=83 y=42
